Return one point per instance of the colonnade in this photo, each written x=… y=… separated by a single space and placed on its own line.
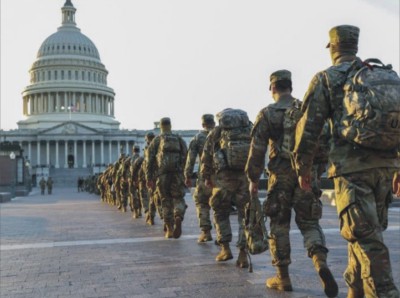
x=86 y=153
x=64 y=102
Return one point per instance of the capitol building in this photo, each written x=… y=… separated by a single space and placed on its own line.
x=69 y=127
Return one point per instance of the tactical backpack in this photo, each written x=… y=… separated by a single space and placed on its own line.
x=371 y=106
x=291 y=116
x=234 y=143
x=255 y=231
x=169 y=153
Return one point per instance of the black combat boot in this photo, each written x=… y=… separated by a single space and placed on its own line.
x=178 y=227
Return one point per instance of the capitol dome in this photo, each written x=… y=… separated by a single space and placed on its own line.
x=68 y=81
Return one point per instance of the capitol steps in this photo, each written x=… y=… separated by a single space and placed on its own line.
x=69 y=176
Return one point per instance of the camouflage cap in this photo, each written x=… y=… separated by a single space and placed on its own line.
x=280 y=75
x=207 y=119
x=343 y=35
x=136 y=148
x=165 y=121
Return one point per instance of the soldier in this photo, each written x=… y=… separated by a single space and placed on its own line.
x=225 y=154
x=275 y=126
x=146 y=194
x=49 y=184
x=202 y=193
x=124 y=180
x=134 y=196
x=42 y=184
x=362 y=176
x=164 y=166
x=116 y=181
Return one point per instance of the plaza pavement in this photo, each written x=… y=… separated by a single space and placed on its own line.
x=70 y=244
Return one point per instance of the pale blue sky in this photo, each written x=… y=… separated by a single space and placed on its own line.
x=184 y=58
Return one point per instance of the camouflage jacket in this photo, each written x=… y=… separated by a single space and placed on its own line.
x=268 y=131
x=322 y=102
x=195 y=151
x=136 y=169
x=151 y=166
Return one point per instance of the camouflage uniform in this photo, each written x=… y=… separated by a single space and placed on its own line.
x=117 y=181
x=134 y=197
x=42 y=184
x=169 y=183
x=202 y=193
x=228 y=184
x=147 y=195
x=284 y=192
x=362 y=177
x=124 y=178
x=49 y=184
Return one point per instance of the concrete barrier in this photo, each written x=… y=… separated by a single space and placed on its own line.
x=5 y=197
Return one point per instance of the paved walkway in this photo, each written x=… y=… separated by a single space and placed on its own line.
x=69 y=244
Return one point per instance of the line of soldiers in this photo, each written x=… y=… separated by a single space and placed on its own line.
x=232 y=159
x=123 y=184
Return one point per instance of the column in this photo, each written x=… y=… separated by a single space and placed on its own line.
x=66 y=154
x=126 y=147
x=84 y=153
x=118 y=148
x=102 y=151
x=58 y=102
x=93 y=151
x=30 y=105
x=47 y=153
x=38 y=153
x=57 y=161
x=109 y=151
x=74 y=99
x=75 y=154
x=81 y=102
x=24 y=106
x=30 y=151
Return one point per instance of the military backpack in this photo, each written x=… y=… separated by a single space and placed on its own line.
x=371 y=106
x=254 y=227
x=234 y=142
x=169 y=156
x=291 y=116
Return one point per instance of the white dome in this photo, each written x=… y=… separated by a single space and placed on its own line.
x=68 y=41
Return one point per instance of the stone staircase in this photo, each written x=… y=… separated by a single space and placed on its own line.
x=68 y=177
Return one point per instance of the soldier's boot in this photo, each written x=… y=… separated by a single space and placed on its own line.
x=242 y=261
x=225 y=254
x=281 y=281
x=328 y=281
x=205 y=236
x=178 y=227
x=355 y=293
x=169 y=230
x=139 y=212
x=123 y=209
x=149 y=219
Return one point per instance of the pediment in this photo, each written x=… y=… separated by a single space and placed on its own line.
x=69 y=128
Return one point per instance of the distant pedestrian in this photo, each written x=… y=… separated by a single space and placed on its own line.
x=49 y=185
x=42 y=184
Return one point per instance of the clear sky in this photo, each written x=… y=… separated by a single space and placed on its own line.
x=184 y=58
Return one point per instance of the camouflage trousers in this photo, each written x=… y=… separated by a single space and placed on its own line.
x=171 y=189
x=134 y=197
x=201 y=196
x=284 y=194
x=229 y=185
x=155 y=203
x=144 y=196
x=362 y=200
x=124 y=193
